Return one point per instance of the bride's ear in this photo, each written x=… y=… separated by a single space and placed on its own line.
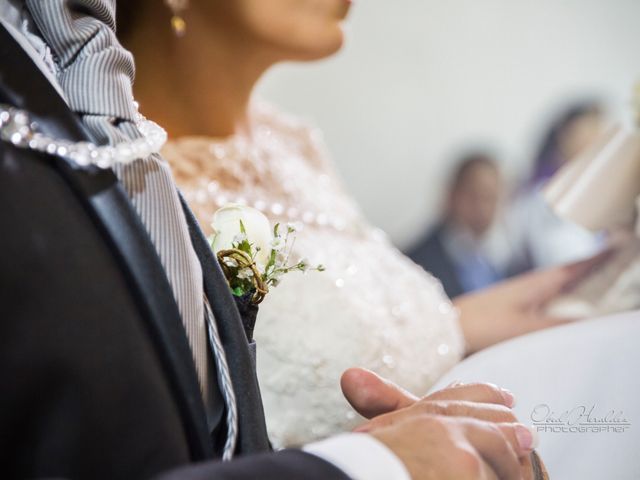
x=370 y=395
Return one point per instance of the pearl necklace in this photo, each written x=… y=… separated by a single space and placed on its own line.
x=17 y=128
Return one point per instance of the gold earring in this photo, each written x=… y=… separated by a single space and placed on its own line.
x=178 y=25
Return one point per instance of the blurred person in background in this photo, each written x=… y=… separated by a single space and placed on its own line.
x=372 y=307
x=467 y=250
x=540 y=238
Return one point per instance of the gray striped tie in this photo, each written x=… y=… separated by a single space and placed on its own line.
x=96 y=74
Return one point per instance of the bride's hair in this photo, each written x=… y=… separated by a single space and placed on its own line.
x=549 y=157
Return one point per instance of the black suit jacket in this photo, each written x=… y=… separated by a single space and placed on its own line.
x=430 y=254
x=98 y=378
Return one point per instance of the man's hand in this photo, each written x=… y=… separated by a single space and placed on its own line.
x=437 y=447
x=371 y=395
x=462 y=431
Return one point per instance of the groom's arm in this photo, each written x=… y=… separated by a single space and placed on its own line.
x=361 y=456
x=348 y=456
x=287 y=464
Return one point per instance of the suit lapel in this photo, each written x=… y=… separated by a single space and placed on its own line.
x=139 y=259
x=23 y=85
x=253 y=433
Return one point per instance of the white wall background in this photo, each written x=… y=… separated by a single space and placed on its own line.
x=421 y=80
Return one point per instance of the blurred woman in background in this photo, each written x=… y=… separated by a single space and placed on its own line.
x=539 y=237
x=372 y=307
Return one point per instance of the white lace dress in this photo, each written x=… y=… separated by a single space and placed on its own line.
x=372 y=307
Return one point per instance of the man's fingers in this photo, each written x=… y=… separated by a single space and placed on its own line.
x=523 y=438
x=527 y=440
x=457 y=447
x=475 y=392
x=387 y=420
x=488 y=412
x=480 y=411
x=371 y=395
x=495 y=448
x=487 y=472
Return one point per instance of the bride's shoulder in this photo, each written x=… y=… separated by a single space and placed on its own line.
x=267 y=114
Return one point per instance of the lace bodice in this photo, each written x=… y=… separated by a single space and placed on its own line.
x=372 y=307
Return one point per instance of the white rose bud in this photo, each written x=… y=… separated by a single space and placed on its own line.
x=226 y=225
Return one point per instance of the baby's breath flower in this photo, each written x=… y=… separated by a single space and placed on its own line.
x=292 y=228
x=245 y=274
x=281 y=258
x=277 y=244
x=231 y=262
x=304 y=265
x=239 y=238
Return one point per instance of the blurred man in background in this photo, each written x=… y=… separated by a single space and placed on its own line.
x=464 y=250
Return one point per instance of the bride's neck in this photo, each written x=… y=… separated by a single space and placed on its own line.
x=200 y=84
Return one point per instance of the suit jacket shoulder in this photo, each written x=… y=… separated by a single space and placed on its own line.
x=431 y=254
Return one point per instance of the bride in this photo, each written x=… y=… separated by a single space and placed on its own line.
x=372 y=307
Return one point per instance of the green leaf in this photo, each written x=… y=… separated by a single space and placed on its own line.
x=245 y=247
x=272 y=260
x=238 y=291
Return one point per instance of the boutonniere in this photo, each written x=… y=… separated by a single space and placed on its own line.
x=253 y=255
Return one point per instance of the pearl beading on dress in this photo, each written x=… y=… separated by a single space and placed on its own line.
x=213 y=193
x=265 y=143
x=17 y=128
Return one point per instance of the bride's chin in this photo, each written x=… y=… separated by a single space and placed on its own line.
x=320 y=51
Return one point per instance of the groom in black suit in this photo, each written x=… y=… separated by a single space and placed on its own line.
x=98 y=365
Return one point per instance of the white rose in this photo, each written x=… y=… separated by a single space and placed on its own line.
x=226 y=226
